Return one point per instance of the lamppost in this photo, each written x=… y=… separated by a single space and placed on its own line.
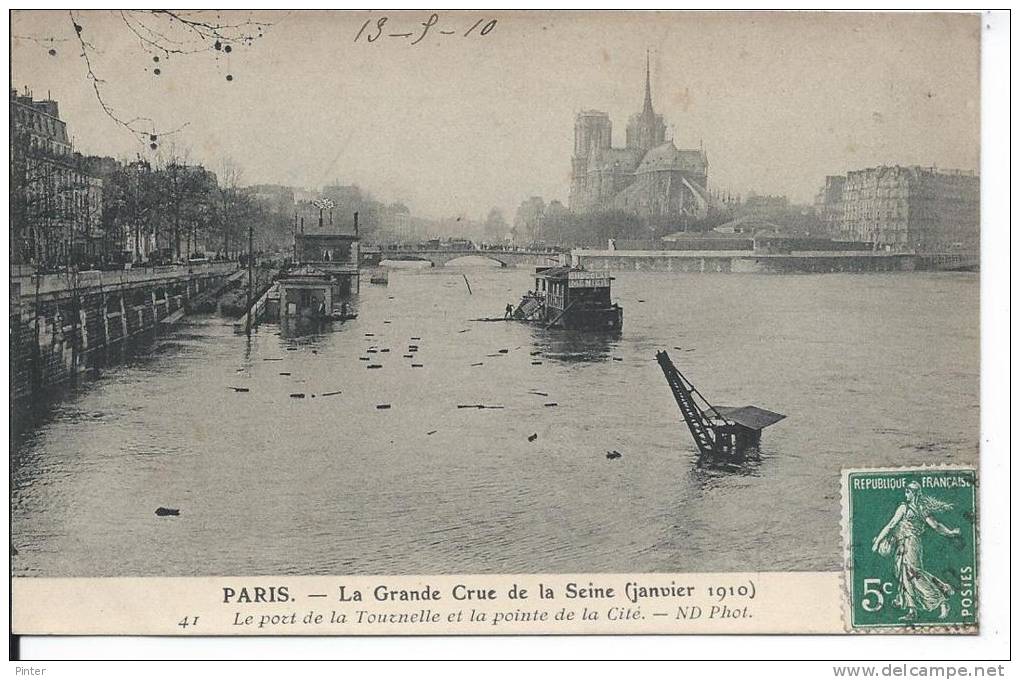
x=323 y=204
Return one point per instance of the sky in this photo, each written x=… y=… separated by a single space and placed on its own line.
x=455 y=124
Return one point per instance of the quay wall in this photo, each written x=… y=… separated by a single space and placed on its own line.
x=742 y=261
x=62 y=324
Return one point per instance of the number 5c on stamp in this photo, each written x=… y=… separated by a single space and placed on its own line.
x=910 y=549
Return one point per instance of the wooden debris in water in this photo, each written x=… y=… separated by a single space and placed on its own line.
x=364 y=359
x=480 y=406
x=382 y=406
x=480 y=363
x=408 y=356
x=272 y=359
x=503 y=351
x=417 y=365
x=541 y=394
x=536 y=363
x=239 y=389
x=284 y=372
x=297 y=395
x=550 y=403
x=613 y=455
x=167 y=512
x=330 y=394
x=430 y=433
x=532 y=437
x=374 y=366
x=617 y=358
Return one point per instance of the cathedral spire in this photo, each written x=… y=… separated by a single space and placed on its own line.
x=648 y=84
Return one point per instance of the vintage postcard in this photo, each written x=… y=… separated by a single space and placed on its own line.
x=494 y=322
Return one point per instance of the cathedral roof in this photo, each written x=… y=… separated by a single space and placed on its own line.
x=623 y=159
x=669 y=158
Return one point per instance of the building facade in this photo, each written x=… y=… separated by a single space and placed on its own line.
x=906 y=208
x=56 y=205
x=333 y=255
x=649 y=177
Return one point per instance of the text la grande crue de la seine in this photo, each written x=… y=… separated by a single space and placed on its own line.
x=633 y=591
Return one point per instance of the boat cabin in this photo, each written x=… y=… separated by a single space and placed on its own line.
x=306 y=291
x=743 y=425
x=572 y=287
x=572 y=298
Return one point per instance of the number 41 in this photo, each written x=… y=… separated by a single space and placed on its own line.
x=188 y=621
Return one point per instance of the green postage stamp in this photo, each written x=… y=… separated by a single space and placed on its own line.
x=910 y=549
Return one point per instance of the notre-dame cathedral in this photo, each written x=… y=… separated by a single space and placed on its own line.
x=648 y=177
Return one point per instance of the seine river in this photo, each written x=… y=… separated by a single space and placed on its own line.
x=871 y=370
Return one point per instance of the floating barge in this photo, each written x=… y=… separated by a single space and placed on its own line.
x=724 y=434
x=572 y=298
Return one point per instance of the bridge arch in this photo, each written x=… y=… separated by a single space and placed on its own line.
x=477 y=255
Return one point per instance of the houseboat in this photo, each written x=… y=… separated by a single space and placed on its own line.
x=571 y=298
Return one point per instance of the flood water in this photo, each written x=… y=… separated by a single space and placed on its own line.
x=871 y=370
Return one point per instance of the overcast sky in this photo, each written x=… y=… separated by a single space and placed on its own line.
x=456 y=125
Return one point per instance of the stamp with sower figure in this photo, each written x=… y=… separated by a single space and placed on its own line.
x=910 y=549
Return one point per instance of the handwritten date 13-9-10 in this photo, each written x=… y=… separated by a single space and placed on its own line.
x=372 y=30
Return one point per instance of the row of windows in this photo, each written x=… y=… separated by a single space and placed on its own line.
x=40 y=122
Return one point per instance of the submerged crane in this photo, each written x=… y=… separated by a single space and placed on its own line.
x=722 y=433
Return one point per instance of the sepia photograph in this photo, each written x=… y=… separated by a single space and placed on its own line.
x=411 y=292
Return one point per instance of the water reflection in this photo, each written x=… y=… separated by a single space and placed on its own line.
x=575 y=346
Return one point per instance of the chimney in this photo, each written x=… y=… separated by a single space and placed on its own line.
x=355 y=222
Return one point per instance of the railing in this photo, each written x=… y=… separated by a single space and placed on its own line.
x=57 y=283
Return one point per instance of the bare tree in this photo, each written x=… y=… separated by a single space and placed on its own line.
x=161 y=35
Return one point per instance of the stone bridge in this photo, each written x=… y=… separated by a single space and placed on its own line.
x=440 y=257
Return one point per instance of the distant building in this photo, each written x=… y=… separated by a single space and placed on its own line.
x=768 y=203
x=277 y=197
x=904 y=208
x=56 y=205
x=649 y=177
